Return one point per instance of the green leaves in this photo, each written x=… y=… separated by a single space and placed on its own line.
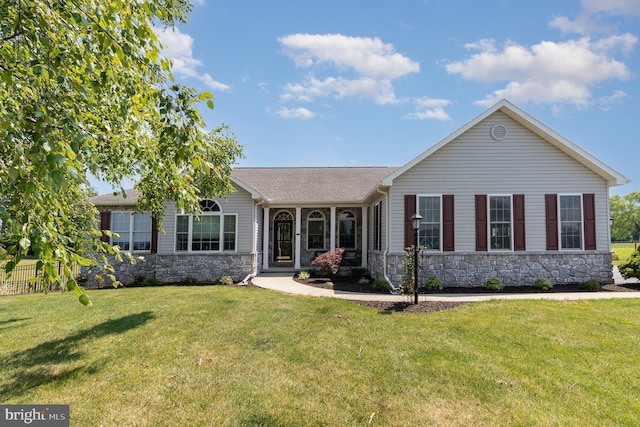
x=85 y=91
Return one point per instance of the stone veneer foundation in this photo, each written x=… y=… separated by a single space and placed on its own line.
x=473 y=269
x=176 y=268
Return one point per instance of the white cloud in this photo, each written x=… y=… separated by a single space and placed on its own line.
x=430 y=109
x=296 y=113
x=367 y=56
x=380 y=91
x=612 y=7
x=548 y=72
x=365 y=67
x=589 y=20
x=177 y=47
x=606 y=101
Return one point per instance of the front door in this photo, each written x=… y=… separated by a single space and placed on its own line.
x=283 y=247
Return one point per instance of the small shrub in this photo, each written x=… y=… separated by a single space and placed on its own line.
x=189 y=281
x=357 y=272
x=543 y=284
x=364 y=281
x=304 y=275
x=151 y=281
x=329 y=262
x=312 y=272
x=138 y=280
x=591 y=285
x=381 y=285
x=631 y=268
x=433 y=283
x=615 y=256
x=494 y=284
x=225 y=280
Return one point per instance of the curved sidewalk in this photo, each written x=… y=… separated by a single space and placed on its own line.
x=284 y=282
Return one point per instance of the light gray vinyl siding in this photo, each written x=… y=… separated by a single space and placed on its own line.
x=238 y=202
x=522 y=163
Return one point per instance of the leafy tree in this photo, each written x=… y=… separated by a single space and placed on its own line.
x=85 y=91
x=625 y=211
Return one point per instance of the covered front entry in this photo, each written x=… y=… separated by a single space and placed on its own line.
x=294 y=236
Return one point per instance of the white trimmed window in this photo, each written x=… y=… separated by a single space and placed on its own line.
x=211 y=231
x=133 y=229
x=429 y=234
x=347 y=230
x=315 y=230
x=500 y=223
x=570 y=221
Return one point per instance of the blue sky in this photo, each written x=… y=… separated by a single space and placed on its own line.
x=375 y=83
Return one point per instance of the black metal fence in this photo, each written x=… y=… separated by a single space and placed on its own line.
x=25 y=279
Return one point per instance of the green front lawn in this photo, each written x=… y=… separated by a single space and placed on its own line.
x=623 y=251
x=250 y=357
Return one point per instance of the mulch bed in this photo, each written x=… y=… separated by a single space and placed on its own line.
x=350 y=285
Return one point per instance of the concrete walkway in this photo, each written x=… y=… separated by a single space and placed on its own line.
x=284 y=282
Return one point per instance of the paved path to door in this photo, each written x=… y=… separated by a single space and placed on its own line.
x=284 y=282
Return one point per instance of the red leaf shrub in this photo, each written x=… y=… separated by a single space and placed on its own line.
x=329 y=262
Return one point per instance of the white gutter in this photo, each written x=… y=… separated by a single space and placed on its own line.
x=386 y=246
x=254 y=249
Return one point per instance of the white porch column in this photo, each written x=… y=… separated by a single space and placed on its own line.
x=298 y=239
x=365 y=235
x=265 y=240
x=332 y=228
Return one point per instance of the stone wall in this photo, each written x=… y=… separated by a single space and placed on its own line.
x=175 y=268
x=514 y=269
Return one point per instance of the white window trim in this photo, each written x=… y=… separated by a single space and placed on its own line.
x=324 y=221
x=355 y=228
x=418 y=196
x=131 y=214
x=489 y=196
x=581 y=248
x=220 y=214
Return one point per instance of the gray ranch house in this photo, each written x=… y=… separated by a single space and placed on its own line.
x=503 y=196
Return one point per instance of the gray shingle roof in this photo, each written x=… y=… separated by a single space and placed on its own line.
x=110 y=199
x=313 y=184
x=292 y=185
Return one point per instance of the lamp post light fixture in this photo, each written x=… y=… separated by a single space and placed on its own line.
x=415 y=221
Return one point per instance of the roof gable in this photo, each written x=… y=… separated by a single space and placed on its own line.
x=312 y=184
x=612 y=177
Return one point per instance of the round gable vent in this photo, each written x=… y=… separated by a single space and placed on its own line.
x=498 y=132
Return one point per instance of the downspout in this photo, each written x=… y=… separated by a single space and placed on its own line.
x=254 y=249
x=386 y=246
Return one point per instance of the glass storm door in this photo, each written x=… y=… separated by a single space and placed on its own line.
x=283 y=246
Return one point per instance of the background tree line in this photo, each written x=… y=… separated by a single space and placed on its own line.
x=625 y=212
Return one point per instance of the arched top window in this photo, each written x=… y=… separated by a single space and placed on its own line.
x=347 y=230
x=208 y=205
x=347 y=215
x=283 y=216
x=316 y=216
x=315 y=231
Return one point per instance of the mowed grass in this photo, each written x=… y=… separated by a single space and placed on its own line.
x=226 y=356
x=623 y=251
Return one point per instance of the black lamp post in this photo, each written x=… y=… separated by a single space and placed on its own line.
x=415 y=221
